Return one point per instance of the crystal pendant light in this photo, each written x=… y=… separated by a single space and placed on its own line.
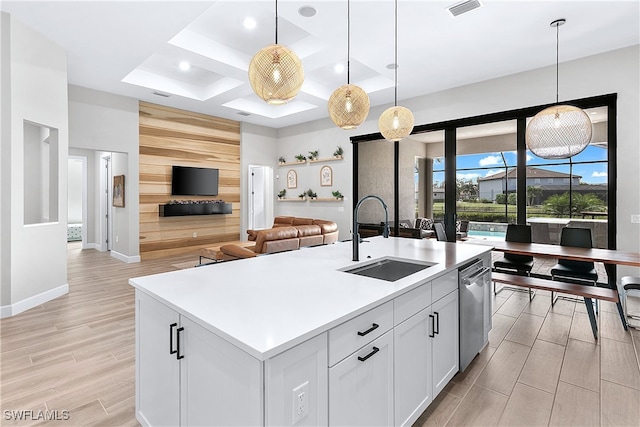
x=396 y=122
x=275 y=72
x=559 y=131
x=349 y=104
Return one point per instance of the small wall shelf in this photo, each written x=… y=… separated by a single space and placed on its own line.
x=327 y=199
x=296 y=199
x=296 y=163
x=327 y=159
x=184 y=209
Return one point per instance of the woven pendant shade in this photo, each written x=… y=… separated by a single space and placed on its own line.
x=276 y=74
x=559 y=132
x=396 y=123
x=348 y=106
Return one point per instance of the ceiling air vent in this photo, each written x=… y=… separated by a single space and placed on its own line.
x=164 y=95
x=464 y=7
x=244 y=113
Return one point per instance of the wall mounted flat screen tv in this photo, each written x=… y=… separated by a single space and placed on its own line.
x=190 y=181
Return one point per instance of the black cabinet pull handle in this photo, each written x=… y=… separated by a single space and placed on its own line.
x=371 y=329
x=178 y=352
x=437 y=329
x=433 y=326
x=171 y=350
x=374 y=351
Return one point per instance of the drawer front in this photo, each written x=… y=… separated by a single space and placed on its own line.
x=408 y=304
x=444 y=285
x=348 y=337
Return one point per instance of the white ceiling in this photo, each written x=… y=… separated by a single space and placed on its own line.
x=134 y=48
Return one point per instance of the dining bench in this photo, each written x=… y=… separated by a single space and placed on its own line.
x=585 y=291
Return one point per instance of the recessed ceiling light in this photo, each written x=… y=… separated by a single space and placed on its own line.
x=307 y=11
x=392 y=66
x=339 y=68
x=249 y=23
x=185 y=66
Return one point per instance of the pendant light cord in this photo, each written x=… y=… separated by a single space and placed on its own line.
x=557 y=59
x=395 y=59
x=348 y=41
x=276 y=21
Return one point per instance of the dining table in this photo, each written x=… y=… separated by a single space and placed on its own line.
x=609 y=257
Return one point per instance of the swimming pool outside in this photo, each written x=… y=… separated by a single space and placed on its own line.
x=489 y=235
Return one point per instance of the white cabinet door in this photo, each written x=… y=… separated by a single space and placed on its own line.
x=220 y=384
x=445 y=344
x=361 y=386
x=157 y=369
x=412 y=353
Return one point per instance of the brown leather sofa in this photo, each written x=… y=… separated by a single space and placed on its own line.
x=288 y=233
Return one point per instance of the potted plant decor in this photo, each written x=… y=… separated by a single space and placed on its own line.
x=338 y=153
x=313 y=155
x=337 y=194
x=300 y=158
x=282 y=193
x=282 y=160
x=311 y=194
x=302 y=195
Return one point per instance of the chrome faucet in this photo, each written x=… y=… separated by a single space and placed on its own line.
x=356 y=236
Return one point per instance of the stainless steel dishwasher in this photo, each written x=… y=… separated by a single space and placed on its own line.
x=474 y=281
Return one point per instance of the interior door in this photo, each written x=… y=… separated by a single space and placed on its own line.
x=257 y=197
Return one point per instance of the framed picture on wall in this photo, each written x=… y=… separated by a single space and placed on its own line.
x=118 y=191
x=326 y=176
x=292 y=179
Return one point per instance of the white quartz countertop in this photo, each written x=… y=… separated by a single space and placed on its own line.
x=268 y=304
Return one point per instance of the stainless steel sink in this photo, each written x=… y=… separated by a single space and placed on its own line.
x=389 y=269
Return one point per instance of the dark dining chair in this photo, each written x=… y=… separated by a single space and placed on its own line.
x=441 y=235
x=582 y=272
x=521 y=264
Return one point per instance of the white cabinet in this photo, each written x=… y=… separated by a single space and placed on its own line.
x=425 y=345
x=158 y=378
x=445 y=361
x=219 y=383
x=186 y=375
x=412 y=351
x=361 y=386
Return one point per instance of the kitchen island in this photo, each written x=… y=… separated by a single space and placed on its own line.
x=292 y=339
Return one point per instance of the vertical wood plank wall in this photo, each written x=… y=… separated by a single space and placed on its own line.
x=175 y=137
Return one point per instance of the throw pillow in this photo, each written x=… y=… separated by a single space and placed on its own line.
x=427 y=224
x=418 y=223
x=458 y=223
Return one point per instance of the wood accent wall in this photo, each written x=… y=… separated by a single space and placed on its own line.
x=175 y=137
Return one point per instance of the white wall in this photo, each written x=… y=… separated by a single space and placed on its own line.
x=105 y=122
x=611 y=72
x=258 y=147
x=36 y=85
x=121 y=238
x=74 y=191
x=323 y=136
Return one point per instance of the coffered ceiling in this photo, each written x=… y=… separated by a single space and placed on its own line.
x=136 y=48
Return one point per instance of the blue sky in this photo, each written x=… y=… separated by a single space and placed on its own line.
x=591 y=173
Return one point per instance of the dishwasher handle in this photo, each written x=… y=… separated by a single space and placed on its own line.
x=467 y=280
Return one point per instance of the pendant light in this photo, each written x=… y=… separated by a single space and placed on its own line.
x=559 y=131
x=396 y=122
x=275 y=72
x=349 y=104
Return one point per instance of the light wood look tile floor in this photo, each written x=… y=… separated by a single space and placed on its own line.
x=542 y=367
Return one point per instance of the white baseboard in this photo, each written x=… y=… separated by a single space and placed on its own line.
x=33 y=301
x=125 y=258
x=91 y=246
